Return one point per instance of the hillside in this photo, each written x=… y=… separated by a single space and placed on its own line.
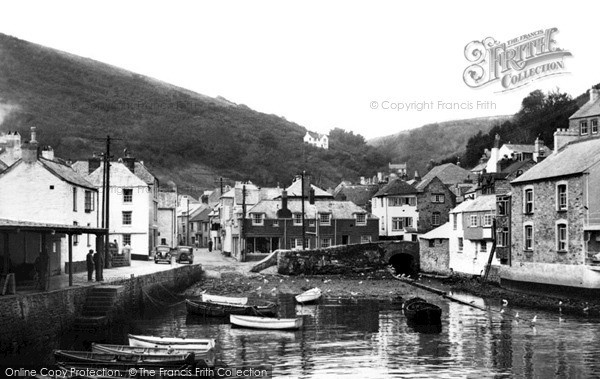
x=439 y=141
x=182 y=136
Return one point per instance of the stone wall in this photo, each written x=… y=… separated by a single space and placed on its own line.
x=37 y=318
x=344 y=259
x=426 y=207
x=436 y=258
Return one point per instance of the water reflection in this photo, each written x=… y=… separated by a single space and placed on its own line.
x=372 y=339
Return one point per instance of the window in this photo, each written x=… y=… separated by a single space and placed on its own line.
x=502 y=237
x=89 y=201
x=460 y=244
x=528 y=201
x=583 y=127
x=528 y=232
x=325 y=242
x=75 y=236
x=503 y=207
x=561 y=197
x=257 y=219
x=595 y=126
x=365 y=239
x=361 y=219
x=435 y=218
x=74 y=199
x=127 y=195
x=399 y=223
x=296 y=243
x=324 y=219
x=437 y=198
x=488 y=219
x=473 y=221
x=127 y=239
x=399 y=201
x=561 y=237
x=431 y=243
x=127 y=218
x=276 y=223
x=454 y=221
x=297 y=218
x=483 y=247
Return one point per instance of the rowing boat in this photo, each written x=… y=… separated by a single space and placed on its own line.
x=309 y=296
x=123 y=361
x=419 y=311
x=214 y=309
x=224 y=299
x=188 y=344
x=204 y=356
x=266 y=322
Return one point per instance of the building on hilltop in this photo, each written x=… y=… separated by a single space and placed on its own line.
x=316 y=139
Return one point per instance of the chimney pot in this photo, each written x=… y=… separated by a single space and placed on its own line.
x=33 y=134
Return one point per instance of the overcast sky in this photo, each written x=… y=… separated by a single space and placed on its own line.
x=321 y=64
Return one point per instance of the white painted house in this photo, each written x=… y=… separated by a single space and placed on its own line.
x=471 y=235
x=129 y=208
x=318 y=140
x=45 y=192
x=396 y=207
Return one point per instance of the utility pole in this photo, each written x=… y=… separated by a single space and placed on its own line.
x=243 y=226
x=107 y=212
x=187 y=229
x=303 y=223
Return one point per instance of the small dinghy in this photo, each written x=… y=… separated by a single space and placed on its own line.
x=220 y=309
x=420 y=312
x=309 y=296
x=266 y=322
x=188 y=344
x=122 y=361
x=224 y=299
x=203 y=357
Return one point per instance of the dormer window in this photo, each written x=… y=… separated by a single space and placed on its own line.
x=361 y=219
x=257 y=218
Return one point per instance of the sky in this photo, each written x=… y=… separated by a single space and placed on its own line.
x=354 y=65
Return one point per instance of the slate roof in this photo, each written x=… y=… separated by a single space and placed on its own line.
x=396 y=187
x=66 y=173
x=448 y=173
x=167 y=199
x=515 y=166
x=358 y=194
x=575 y=158
x=201 y=214
x=295 y=190
x=587 y=110
x=338 y=209
x=6 y=224
x=3 y=166
x=120 y=176
x=441 y=232
x=481 y=203
x=142 y=172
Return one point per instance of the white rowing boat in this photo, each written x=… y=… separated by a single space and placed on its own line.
x=188 y=344
x=266 y=322
x=309 y=296
x=206 y=355
x=224 y=299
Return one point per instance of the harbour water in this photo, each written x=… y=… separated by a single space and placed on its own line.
x=363 y=338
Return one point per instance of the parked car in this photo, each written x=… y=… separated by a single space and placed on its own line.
x=184 y=254
x=162 y=253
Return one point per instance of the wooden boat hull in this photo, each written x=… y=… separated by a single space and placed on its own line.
x=420 y=312
x=224 y=299
x=122 y=361
x=203 y=356
x=309 y=296
x=212 y=309
x=266 y=322
x=173 y=342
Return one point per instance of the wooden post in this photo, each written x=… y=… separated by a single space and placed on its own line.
x=6 y=254
x=70 y=260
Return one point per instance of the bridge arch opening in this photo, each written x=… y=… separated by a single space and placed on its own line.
x=403 y=264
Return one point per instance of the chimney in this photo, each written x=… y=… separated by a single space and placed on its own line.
x=129 y=162
x=48 y=153
x=93 y=163
x=492 y=164
x=29 y=152
x=284 y=212
x=538 y=150
x=33 y=134
x=562 y=137
x=593 y=95
x=417 y=178
x=311 y=196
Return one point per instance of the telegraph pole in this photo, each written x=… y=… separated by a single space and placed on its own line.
x=243 y=226
x=303 y=223
x=107 y=212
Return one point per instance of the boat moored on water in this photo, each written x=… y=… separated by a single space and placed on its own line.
x=204 y=356
x=188 y=344
x=220 y=309
x=122 y=361
x=309 y=296
x=266 y=322
x=420 y=312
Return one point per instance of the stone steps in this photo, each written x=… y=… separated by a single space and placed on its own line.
x=97 y=307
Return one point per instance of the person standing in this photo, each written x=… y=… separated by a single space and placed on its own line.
x=90 y=264
x=98 y=262
x=210 y=245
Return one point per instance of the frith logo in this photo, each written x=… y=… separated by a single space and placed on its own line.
x=515 y=63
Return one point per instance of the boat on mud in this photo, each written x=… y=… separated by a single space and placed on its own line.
x=266 y=322
x=309 y=296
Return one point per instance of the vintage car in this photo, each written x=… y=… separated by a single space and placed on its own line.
x=183 y=254
x=162 y=253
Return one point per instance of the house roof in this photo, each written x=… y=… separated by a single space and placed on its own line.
x=167 y=199
x=39 y=226
x=481 y=203
x=441 y=232
x=120 y=176
x=574 y=158
x=358 y=194
x=515 y=166
x=448 y=173
x=66 y=173
x=142 y=172
x=3 y=166
x=295 y=190
x=479 y=167
x=202 y=213
x=591 y=108
x=315 y=135
x=396 y=187
x=338 y=209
